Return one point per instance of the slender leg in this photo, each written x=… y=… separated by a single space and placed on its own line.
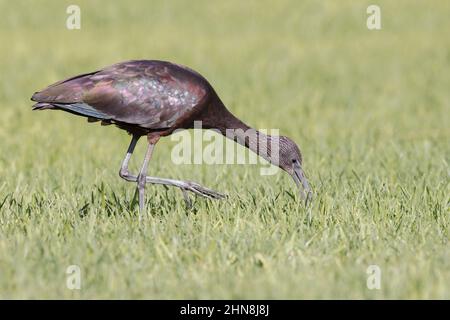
x=123 y=173
x=141 y=179
x=183 y=185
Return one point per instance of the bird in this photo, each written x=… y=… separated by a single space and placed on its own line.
x=153 y=98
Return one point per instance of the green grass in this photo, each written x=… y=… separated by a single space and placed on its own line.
x=369 y=109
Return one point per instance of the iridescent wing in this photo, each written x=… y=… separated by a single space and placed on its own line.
x=149 y=94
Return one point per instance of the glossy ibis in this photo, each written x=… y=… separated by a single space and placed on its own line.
x=154 y=98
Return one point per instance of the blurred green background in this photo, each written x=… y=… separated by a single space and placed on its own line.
x=369 y=109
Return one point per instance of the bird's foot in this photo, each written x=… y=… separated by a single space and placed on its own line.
x=200 y=190
x=185 y=186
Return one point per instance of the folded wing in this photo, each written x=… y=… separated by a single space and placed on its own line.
x=149 y=94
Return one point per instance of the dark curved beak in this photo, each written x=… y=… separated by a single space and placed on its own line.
x=301 y=182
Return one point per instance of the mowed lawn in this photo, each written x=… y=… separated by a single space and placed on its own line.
x=369 y=110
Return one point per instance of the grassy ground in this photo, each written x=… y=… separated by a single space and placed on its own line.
x=370 y=110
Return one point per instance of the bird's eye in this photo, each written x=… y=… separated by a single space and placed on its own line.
x=294 y=160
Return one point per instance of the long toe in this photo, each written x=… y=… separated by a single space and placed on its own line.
x=203 y=191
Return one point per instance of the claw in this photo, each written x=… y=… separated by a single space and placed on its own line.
x=187 y=200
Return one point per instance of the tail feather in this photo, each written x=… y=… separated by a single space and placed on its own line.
x=81 y=109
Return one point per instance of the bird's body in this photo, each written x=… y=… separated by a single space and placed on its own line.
x=141 y=96
x=147 y=97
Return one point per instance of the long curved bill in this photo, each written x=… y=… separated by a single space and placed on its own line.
x=302 y=182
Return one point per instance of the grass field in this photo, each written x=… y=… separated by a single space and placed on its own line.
x=369 y=109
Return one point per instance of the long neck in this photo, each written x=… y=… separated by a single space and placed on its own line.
x=218 y=117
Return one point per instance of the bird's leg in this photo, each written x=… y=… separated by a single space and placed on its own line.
x=123 y=173
x=142 y=177
x=183 y=185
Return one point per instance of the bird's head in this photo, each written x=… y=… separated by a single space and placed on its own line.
x=290 y=160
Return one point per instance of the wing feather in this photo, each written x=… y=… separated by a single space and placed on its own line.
x=150 y=94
